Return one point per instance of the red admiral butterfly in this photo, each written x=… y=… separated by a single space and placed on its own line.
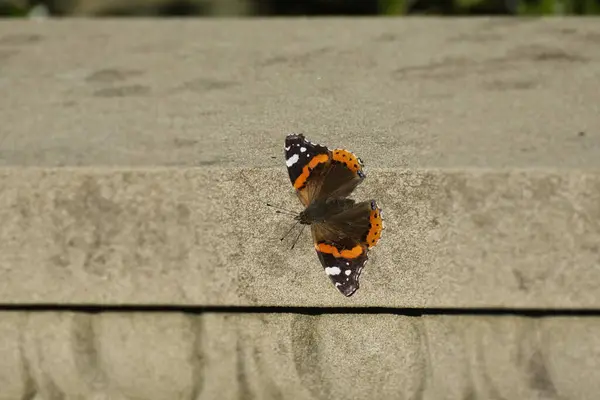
x=343 y=231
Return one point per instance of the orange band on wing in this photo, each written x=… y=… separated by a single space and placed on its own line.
x=316 y=160
x=354 y=252
x=376 y=227
x=347 y=158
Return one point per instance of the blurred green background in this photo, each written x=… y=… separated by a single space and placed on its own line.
x=157 y=8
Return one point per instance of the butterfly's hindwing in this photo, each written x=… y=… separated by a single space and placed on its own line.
x=343 y=240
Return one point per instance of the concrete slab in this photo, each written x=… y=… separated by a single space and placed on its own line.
x=205 y=237
x=481 y=137
x=400 y=92
x=185 y=356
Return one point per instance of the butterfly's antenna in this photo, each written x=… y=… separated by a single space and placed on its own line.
x=289 y=230
x=298 y=237
x=280 y=210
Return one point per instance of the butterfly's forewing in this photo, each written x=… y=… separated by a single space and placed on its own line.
x=307 y=163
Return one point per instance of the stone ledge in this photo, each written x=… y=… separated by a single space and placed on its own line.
x=401 y=93
x=183 y=356
x=482 y=150
x=203 y=236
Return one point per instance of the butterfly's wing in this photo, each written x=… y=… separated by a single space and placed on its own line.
x=318 y=173
x=306 y=163
x=344 y=173
x=342 y=243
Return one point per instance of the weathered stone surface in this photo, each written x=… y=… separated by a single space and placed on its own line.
x=185 y=356
x=414 y=93
x=136 y=162
x=204 y=236
x=135 y=167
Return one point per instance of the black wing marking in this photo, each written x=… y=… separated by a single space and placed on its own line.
x=298 y=154
x=343 y=272
x=307 y=163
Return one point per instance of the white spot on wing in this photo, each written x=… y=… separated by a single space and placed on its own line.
x=292 y=160
x=348 y=272
x=332 y=271
x=302 y=149
x=288 y=148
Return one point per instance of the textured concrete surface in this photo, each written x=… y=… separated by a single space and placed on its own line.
x=400 y=92
x=182 y=356
x=203 y=236
x=481 y=137
x=136 y=158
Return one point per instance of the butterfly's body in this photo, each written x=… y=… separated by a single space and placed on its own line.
x=322 y=211
x=342 y=229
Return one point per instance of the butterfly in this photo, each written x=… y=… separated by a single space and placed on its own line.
x=343 y=230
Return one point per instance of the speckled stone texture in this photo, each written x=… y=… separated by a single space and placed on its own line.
x=203 y=236
x=266 y=356
x=136 y=158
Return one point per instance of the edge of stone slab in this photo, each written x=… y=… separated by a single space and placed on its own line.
x=248 y=271
x=215 y=356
